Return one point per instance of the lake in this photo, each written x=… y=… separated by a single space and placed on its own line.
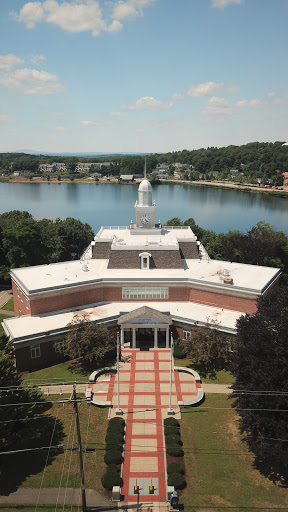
x=113 y=205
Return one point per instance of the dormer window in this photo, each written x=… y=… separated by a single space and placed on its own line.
x=145 y=260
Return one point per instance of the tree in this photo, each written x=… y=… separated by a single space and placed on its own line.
x=209 y=350
x=260 y=366
x=92 y=343
x=18 y=431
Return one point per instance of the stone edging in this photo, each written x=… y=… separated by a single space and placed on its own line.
x=200 y=392
x=93 y=377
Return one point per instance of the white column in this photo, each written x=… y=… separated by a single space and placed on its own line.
x=134 y=337
x=122 y=337
x=167 y=337
x=155 y=337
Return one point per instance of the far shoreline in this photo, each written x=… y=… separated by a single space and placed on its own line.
x=229 y=186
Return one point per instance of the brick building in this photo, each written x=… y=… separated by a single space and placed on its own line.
x=144 y=279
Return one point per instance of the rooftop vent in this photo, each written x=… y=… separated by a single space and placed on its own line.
x=85 y=268
x=226 y=272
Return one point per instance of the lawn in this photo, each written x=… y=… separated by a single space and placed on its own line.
x=221 y=376
x=9 y=306
x=63 y=469
x=219 y=467
x=57 y=374
x=2 y=316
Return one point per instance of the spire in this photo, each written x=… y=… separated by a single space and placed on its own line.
x=145 y=170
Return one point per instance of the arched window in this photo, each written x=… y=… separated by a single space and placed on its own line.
x=145 y=260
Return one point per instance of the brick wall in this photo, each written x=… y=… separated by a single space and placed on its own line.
x=223 y=301
x=20 y=303
x=67 y=300
x=48 y=356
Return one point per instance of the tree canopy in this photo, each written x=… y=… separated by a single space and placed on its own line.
x=93 y=344
x=260 y=367
x=22 y=413
x=25 y=241
x=209 y=350
x=261 y=245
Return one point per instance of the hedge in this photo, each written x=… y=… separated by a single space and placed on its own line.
x=110 y=479
x=113 y=457
x=114 y=437
x=177 y=480
x=171 y=431
x=117 y=421
x=112 y=446
x=173 y=440
x=113 y=467
x=174 y=450
x=175 y=467
x=171 y=422
x=179 y=352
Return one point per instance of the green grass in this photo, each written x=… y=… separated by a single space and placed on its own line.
x=28 y=471
x=59 y=373
x=219 y=467
x=221 y=377
x=9 y=306
x=2 y=316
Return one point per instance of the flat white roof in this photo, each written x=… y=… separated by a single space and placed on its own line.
x=27 y=328
x=44 y=278
x=124 y=237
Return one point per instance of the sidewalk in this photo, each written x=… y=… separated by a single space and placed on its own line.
x=51 y=496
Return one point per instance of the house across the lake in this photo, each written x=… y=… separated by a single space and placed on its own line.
x=144 y=279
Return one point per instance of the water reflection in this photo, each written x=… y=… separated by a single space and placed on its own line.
x=113 y=204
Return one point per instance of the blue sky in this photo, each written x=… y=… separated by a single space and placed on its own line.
x=142 y=75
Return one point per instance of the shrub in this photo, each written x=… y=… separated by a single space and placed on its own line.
x=114 y=437
x=175 y=467
x=118 y=429
x=171 y=431
x=110 y=479
x=113 y=467
x=171 y=422
x=177 y=480
x=173 y=440
x=179 y=351
x=114 y=446
x=113 y=457
x=174 y=450
x=116 y=421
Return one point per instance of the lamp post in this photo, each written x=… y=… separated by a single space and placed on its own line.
x=119 y=411
x=170 y=411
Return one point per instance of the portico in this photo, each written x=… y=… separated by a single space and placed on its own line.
x=145 y=328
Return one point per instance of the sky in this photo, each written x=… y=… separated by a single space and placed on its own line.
x=142 y=76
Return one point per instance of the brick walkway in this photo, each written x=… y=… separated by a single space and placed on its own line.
x=144 y=380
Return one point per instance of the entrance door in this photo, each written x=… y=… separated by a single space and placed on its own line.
x=145 y=338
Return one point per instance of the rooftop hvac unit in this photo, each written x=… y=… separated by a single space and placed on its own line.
x=226 y=272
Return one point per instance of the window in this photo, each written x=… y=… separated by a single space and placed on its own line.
x=35 y=351
x=145 y=259
x=27 y=305
x=147 y=292
x=186 y=334
x=21 y=296
x=145 y=263
x=18 y=294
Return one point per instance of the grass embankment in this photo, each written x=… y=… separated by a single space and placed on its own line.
x=2 y=317
x=219 y=467
x=9 y=306
x=63 y=469
x=220 y=377
x=58 y=374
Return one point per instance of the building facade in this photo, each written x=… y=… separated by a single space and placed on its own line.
x=143 y=279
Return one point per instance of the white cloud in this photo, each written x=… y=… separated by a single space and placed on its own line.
x=232 y=88
x=31 y=81
x=220 y=4
x=148 y=103
x=75 y=16
x=117 y=114
x=81 y=15
x=4 y=119
x=89 y=122
x=10 y=61
x=129 y=8
x=270 y=94
x=59 y=128
x=217 y=106
x=37 y=60
x=205 y=89
x=254 y=103
x=177 y=96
